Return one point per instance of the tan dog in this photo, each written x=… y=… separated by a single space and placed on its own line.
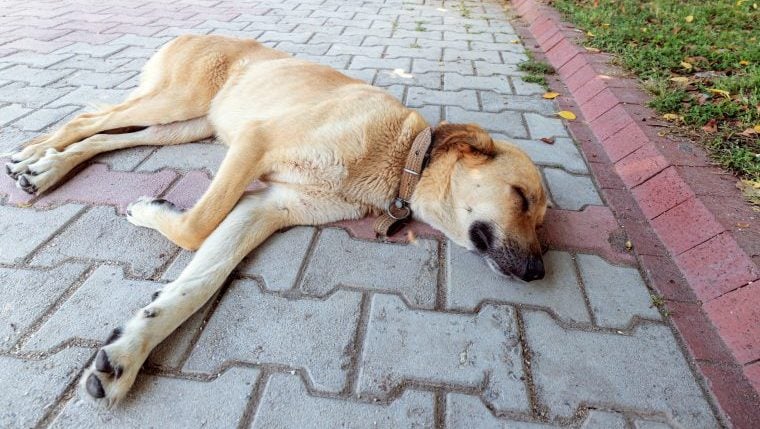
x=329 y=147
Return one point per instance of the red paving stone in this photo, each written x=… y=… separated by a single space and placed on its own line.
x=686 y=225
x=752 y=371
x=730 y=314
x=660 y=193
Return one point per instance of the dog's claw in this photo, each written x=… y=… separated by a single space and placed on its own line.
x=94 y=387
x=26 y=185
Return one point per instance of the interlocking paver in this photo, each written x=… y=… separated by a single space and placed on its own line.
x=252 y=326
x=89 y=95
x=411 y=409
x=101 y=235
x=216 y=403
x=43 y=118
x=99 y=305
x=455 y=82
x=22 y=231
x=507 y=122
x=33 y=76
x=409 y=270
x=562 y=153
x=31 y=387
x=616 y=294
x=193 y=156
x=12 y=112
x=20 y=308
x=465 y=411
x=31 y=96
x=576 y=367
x=471 y=282
x=418 y=97
x=569 y=191
x=479 y=351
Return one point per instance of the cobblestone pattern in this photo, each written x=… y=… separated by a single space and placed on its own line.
x=320 y=327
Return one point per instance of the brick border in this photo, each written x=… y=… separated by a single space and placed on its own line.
x=680 y=214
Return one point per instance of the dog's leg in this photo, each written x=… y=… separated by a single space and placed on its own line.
x=151 y=109
x=188 y=229
x=254 y=219
x=54 y=165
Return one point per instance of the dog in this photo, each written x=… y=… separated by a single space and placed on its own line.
x=327 y=146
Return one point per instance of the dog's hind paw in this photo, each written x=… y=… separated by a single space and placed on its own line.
x=113 y=372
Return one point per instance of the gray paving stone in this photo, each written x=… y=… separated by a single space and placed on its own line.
x=471 y=282
x=11 y=139
x=101 y=235
x=465 y=412
x=430 y=80
x=31 y=387
x=23 y=230
x=563 y=153
x=256 y=327
x=571 y=368
x=418 y=97
x=27 y=294
x=495 y=102
x=124 y=159
x=526 y=88
x=278 y=36
x=646 y=424
x=97 y=51
x=89 y=95
x=219 y=403
x=42 y=118
x=191 y=156
x=406 y=269
x=339 y=62
x=33 y=76
x=142 y=41
x=412 y=409
x=478 y=351
x=34 y=59
x=83 y=61
x=432 y=114
x=617 y=294
x=541 y=126
x=413 y=51
x=96 y=79
x=340 y=49
x=571 y=192
x=31 y=96
x=455 y=82
x=366 y=75
x=99 y=305
x=421 y=65
x=12 y=112
x=507 y=122
x=485 y=68
x=456 y=54
x=381 y=63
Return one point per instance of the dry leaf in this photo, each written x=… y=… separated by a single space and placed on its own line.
x=749 y=132
x=756 y=128
x=742 y=224
x=551 y=95
x=743 y=63
x=23 y=205
x=592 y=49
x=680 y=80
x=711 y=126
x=628 y=245
x=722 y=92
x=566 y=114
x=515 y=41
x=672 y=117
x=750 y=189
x=589 y=34
x=689 y=18
x=547 y=140
x=686 y=65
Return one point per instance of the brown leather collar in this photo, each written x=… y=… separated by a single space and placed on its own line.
x=398 y=211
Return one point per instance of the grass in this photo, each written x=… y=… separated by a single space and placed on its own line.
x=420 y=26
x=699 y=59
x=536 y=71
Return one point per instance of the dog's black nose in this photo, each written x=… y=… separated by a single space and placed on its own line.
x=534 y=269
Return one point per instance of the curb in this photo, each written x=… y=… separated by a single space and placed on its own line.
x=676 y=208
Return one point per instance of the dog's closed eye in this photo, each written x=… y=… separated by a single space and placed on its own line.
x=524 y=202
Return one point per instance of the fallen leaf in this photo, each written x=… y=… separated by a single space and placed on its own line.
x=711 y=126
x=551 y=95
x=628 y=245
x=722 y=92
x=592 y=49
x=756 y=128
x=515 y=41
x=686 y=65
x=743 y=63
x=672 y=117
x=689 y=18
x=749 y=132
x=589 y=34
x=547 y=140
x=742 y=224
x=565 y=114
x=23 y=205
x=680 y=80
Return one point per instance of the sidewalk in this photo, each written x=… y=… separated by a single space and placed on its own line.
x=314 y=329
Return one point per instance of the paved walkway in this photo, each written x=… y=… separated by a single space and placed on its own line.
x=314 y=329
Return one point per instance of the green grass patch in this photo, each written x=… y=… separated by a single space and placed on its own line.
x=536 y=71
x=711 y=48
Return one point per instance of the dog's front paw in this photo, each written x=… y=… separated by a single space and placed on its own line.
x=114 y=370
x=151 y=212
x=41 y=174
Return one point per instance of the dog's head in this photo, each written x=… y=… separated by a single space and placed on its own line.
x=485 y=195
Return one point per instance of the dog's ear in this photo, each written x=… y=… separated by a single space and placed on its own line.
x=465 y=139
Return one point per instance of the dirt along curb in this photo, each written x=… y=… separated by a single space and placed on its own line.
x=696 y=240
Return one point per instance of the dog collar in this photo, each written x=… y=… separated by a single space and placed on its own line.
x=398 y=211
